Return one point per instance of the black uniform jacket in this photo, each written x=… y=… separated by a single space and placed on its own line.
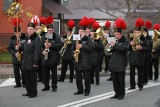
x=95 y=53
x=84 y=62
x=12 y=45
x=53 y=55
x=137 y=58
x=118 y=60
x=32 y=52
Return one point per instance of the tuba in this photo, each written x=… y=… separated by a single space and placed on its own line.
x=156 y=41
x=43 y=28
x=136 y=39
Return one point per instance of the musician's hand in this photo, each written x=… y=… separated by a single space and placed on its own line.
x=44 y=52
x=17 y=47
x=35 y=65
x=132 y=43
x=16 y=54
x=74 y=55
x=49 y=44
x=138 y=47
x=79 y=46
x=153 y=50
x=112 y=44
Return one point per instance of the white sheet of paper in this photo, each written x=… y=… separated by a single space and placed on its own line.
x=111 y=39
x=48 y=36
x=106 y=36
x=76 y=37
x=151 y=33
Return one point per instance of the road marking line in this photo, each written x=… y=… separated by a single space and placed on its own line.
x=101 y=97
x=8 y=82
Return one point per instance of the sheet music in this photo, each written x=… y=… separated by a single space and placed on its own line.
x=111 y=39
x=76 y=37
x=48 y=36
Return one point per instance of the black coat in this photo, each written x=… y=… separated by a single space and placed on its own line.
x=32 y=52
x=84 y=62
x=138 y=57
x=53 y=55
x=95 y=53
x=68 y=54
x=148 y=52
x=118 y=60
x=12 y=45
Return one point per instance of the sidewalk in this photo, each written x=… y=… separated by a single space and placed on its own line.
x=6 y=71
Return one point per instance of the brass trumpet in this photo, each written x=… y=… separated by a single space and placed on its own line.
x=46 y=51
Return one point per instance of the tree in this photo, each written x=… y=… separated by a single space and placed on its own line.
x=127 y=9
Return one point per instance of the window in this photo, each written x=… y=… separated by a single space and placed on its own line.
x=57 y=26
x=7 y=3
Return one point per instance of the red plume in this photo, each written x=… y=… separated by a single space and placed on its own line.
x=43 y=20
x=95 y=25
x=148 y=24
x=50 y=20
x=157 y=27
x=16 y=21
x=71 y=23
x=91 y=21
x=84 y=22
x=120 y=23
x=108 y=24
x=139 y=22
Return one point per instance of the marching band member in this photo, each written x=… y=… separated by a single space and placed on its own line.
x=155 y=53
x=118 y=60
x=30 y=61
x=14 y=47
x=95 y=55
x=137 y=55
x=67 y=54
x=51 y=57
x=148 y=57
x=82 y=63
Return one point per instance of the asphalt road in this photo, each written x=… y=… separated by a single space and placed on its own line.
x=99 y=96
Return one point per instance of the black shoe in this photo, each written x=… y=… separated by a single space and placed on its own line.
x=155 y=79
x=120 y=98
x=60 y=80
x=78 y=92
x=45 y=89
x=39 y=80
x=131 y=88
x=16 y=86
x=150 y=79
x=115 y=96
x=54 y=89
x=97 y=83
x=140 y=89
x=31 y=96
x=25 y=94
x=110 y=79
x=86 y=94
x=71 y=81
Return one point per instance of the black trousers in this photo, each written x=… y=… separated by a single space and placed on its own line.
x=132 y=76
x=64 y=70
x=155 y=63
x=39 y=72
x=94 y=72
x=107 y=58
x=101 y=60
x=18 y=77
x=46 y=71
x=119 y=83
x=31 y=82
x=79 y=82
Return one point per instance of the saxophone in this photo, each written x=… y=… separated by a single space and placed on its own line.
x=67 y=42
x=19 y=53
x=46 y=51
x=76 y=52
